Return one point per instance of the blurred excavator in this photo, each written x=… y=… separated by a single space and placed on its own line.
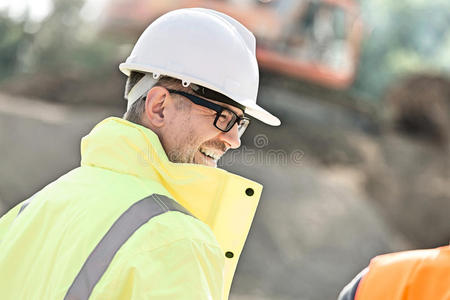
x=313 y=40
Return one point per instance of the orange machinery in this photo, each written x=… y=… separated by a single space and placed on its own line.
x=314 y=40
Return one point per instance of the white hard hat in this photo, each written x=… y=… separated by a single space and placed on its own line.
x=203 y=47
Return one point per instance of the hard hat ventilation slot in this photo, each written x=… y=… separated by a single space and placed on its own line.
x=185 y=83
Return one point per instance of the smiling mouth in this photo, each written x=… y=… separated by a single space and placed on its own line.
x=210 y=156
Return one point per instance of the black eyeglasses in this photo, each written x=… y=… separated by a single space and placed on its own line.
x=225 y=118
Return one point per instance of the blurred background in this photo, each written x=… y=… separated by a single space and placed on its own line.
x=359 y=166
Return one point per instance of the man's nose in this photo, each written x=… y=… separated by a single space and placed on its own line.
x=232 y=137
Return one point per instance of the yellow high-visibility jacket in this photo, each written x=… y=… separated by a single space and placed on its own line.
x=93 y=233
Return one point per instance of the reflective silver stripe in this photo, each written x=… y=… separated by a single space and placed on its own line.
x=122 y=229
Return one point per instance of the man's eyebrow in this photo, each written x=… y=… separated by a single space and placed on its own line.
x=241 y=112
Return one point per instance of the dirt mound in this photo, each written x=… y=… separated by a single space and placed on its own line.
x=69 y=87
x=420 y=106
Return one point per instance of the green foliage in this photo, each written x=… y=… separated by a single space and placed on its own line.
x=404 y=37
x=63 y=58
x=12 y=41
x=56 y=40
x=64 y=44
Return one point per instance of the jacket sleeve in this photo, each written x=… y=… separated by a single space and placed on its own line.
x=349 y=291
x=184 y=269
x=7 y=219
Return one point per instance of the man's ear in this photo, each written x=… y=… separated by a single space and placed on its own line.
x=155 y=106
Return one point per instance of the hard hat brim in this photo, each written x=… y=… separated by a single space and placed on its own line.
x=261 y=114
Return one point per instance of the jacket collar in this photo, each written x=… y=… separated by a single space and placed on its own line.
x=224 y=201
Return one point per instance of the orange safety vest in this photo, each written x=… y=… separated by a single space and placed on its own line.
x=409 y=275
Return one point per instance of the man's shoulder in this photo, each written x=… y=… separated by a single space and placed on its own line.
x=168 y=221
x=173 y=226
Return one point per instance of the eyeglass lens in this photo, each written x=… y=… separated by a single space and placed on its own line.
x=226 y=120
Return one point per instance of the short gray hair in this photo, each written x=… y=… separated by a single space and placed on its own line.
x=134 y=114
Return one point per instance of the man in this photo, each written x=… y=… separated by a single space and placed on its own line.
x=146 y=215
x=408 y=275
